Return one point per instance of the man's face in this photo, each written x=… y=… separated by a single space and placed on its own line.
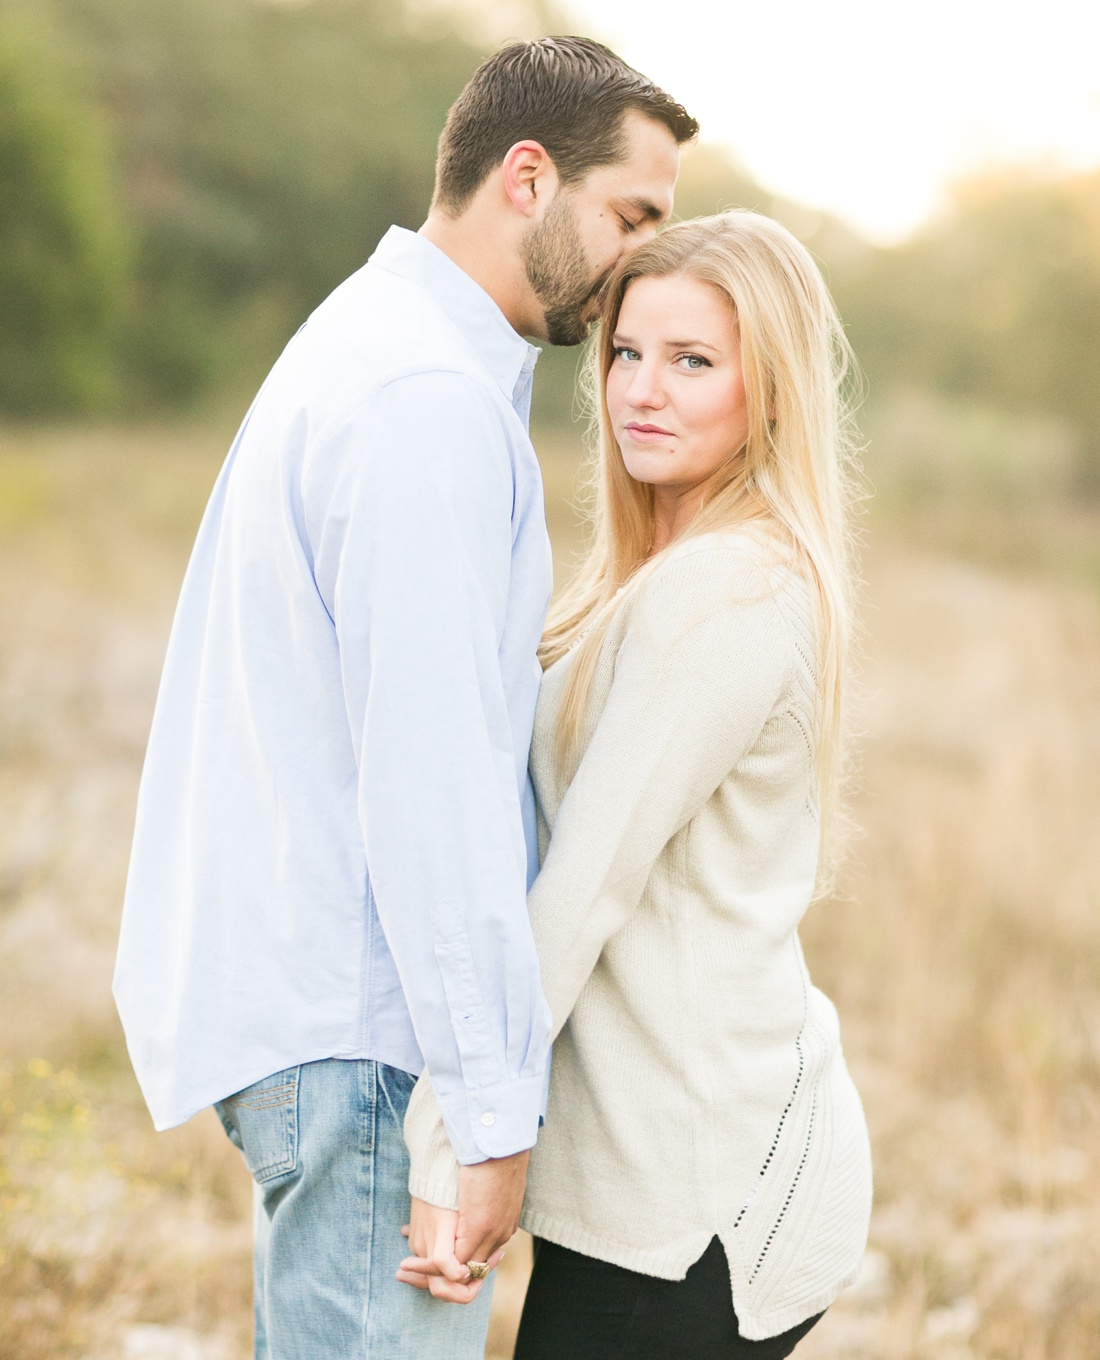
x=590 y=225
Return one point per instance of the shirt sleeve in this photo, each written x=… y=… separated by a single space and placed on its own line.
x=706 y=658
x=411 y=504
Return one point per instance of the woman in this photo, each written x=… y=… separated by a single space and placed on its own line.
x=702 y=1183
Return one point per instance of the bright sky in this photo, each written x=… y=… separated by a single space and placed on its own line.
x=869 y=108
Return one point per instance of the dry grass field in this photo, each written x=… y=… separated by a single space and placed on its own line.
x=964 y=954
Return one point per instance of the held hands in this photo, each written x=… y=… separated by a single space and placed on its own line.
x=434 y=1264
x=490 y=1195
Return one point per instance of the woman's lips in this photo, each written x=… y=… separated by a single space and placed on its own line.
x=638 y=431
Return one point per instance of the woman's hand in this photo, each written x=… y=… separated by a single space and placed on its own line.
x=433 y=1264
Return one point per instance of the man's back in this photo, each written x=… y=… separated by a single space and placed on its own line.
x=343 y=725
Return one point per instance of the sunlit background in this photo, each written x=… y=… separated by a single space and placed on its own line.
x=871 y=110
x=179 y=184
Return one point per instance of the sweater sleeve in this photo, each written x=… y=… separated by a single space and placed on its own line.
x=706 y=658
x=707 y=655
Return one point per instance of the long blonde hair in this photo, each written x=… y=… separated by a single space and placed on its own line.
x=795 y=473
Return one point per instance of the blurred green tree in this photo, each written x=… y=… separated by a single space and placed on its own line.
x=62 y=245
x=263 y=148
x=997 y=302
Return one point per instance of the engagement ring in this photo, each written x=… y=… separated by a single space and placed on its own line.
x=478 y=1269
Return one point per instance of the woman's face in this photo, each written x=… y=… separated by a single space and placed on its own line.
x=675 y=391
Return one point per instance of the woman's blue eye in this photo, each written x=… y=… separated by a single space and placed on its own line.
x=695 y=362
x=624 y=352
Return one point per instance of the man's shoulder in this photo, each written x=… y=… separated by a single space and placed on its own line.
x=380 y=339
x=392 y=322
x=339 y=369
x=426 y=398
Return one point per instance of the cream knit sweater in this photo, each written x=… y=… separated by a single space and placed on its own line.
x=697 y=1085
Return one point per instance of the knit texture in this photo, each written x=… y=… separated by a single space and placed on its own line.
x=697 y=1083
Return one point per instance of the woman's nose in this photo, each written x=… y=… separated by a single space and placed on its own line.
x=645 y=387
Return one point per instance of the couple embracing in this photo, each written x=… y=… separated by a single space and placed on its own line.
x=400 y=833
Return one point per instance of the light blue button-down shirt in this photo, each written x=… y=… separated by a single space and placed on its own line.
x=335 y=829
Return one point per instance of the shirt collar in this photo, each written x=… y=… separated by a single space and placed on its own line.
x=507 y=356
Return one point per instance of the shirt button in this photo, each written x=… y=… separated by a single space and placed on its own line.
x=488 y=1120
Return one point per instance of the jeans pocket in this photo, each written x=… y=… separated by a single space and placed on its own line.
x=395 y=1088
x=262 y=1120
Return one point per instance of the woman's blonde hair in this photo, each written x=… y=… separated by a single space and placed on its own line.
x=795 y=472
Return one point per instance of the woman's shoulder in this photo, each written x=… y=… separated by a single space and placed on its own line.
x=717 y=598
x=723 y=568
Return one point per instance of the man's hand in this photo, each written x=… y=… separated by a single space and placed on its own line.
x=490 y=1195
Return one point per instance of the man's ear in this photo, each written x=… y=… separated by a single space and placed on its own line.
x=530 y=179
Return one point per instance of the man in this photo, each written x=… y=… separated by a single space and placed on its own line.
x=335 y=828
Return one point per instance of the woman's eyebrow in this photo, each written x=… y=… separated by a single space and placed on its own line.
x=625 y=341
x=692 y=344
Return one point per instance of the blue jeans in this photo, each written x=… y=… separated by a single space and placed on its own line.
x=324 y=1144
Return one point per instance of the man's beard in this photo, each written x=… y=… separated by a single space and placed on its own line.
x=559 y=272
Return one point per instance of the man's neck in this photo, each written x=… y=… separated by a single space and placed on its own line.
x=480 y=251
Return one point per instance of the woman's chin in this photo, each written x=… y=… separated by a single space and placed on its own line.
x=648 y=465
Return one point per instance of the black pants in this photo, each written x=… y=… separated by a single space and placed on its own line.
x=578 y=1308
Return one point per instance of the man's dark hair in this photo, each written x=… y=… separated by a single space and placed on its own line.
x=569 y=94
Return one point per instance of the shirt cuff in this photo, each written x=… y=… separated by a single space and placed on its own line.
x=495 y=1121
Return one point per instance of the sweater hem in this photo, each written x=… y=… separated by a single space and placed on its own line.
x=665 y=1263
x=671 y=1262
x=763 y=1326
x=759 y=1326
